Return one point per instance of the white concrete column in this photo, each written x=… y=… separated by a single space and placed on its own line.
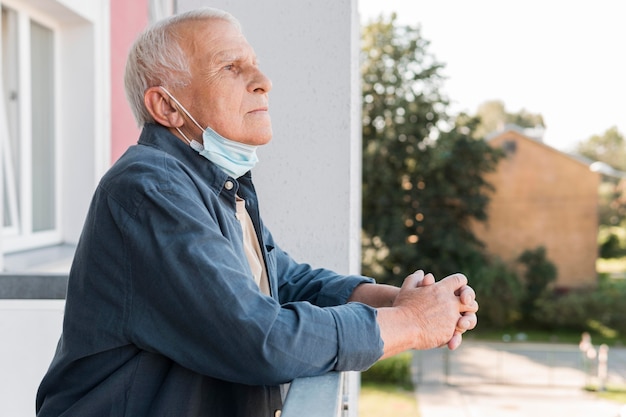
x=309 y=176
x=30 y=330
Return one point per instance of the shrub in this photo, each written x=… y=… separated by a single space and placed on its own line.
x=499 y=293
x=611 y=248
x=394 y=370
x=585 y=309
x=567 y=311
x=540 y=272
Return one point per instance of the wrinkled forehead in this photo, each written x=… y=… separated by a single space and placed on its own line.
x=214 y=39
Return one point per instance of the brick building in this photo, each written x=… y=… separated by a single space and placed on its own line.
x=544 y=198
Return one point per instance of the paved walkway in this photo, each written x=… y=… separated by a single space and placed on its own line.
x=513 y=380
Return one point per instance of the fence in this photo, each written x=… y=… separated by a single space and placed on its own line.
x=330 y=395
x=557 y=365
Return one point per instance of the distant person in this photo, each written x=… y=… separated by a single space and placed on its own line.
x=180 y=302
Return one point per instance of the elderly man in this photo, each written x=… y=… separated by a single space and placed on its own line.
x=180 y=303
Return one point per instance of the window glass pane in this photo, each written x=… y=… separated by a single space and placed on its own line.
x=43 y=140
x=10 y=117
x=7 y=221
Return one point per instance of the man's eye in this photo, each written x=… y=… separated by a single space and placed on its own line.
x=229 y=67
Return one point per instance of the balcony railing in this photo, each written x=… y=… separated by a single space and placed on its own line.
x=322 y=396
x=36 y=301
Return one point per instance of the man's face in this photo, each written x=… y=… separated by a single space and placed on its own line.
x=228 y=92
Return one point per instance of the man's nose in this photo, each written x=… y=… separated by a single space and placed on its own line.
x=261 y=83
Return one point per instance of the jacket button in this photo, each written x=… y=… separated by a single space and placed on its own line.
x=229 y=185
x=277 y=413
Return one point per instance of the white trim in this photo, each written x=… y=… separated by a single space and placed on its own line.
x=102 y=125
x=5 y=149
x=25 y=122
x=58 y=135
x=32 y=12
x=4 y=133
x=31 y=241
x=30 y=305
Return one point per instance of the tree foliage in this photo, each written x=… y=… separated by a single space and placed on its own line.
x=539 y=274
x=421 y=184
x=493 y=117
x=609 y=148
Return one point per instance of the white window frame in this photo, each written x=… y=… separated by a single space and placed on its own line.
x=21 y=237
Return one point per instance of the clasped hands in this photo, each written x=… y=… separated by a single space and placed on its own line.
x=439 y=309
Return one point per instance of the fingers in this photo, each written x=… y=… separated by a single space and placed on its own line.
x=455 y=342
x=455 y=282
x=429 y=279
x=469 y=308
x=418 y=279
x=467 y=321
x=448 y=304
x=413 y=280
x=466 y=294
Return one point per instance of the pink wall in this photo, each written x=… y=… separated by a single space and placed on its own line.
x=128 y=19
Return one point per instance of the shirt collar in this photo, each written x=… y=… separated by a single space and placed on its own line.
x=161 y=138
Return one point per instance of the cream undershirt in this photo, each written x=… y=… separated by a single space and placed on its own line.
x=252 y=248
x=255 y=259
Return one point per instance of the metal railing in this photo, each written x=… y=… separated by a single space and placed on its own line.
x=530 y=364
x=334 y=394
x=331 y=395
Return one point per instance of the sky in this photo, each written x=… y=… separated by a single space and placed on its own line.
x=565 y=60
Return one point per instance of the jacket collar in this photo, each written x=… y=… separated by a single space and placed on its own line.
x=161 y=138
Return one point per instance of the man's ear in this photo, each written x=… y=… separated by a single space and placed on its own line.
x=161 y=108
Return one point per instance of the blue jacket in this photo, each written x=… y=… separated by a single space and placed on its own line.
x=162 y=317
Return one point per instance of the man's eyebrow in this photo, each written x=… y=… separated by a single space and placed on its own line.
x=233 y=55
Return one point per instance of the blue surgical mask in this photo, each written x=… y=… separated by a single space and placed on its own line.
x=232 y=157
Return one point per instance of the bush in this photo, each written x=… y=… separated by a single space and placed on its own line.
x=499 y=293
x=540 y=272
x=610 y=308
x=597 y=310
x=567 y=311
x=395 y=370
x=611 y=248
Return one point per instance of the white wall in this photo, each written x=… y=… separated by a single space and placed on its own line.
x=85 y=99
x=29 y=330
x=308 y=177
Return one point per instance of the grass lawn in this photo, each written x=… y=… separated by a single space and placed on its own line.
x=613 y=393
x=386 y=400
x=541 y=336
x=615 y=268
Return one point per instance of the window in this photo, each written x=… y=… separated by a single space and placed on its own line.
x=28 y=128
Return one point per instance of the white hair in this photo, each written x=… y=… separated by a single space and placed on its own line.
x=157 y=58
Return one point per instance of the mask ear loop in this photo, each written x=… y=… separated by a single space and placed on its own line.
x=197 y=146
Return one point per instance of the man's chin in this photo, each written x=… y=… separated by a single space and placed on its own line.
x=261 y=140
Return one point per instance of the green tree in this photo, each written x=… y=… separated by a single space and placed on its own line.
x=421 y=184
x=500 y=293
x=494 y=116
x=609 y=148
x=539 y=273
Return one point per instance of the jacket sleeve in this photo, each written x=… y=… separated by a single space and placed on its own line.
x=190 y=298
x=300 y=282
